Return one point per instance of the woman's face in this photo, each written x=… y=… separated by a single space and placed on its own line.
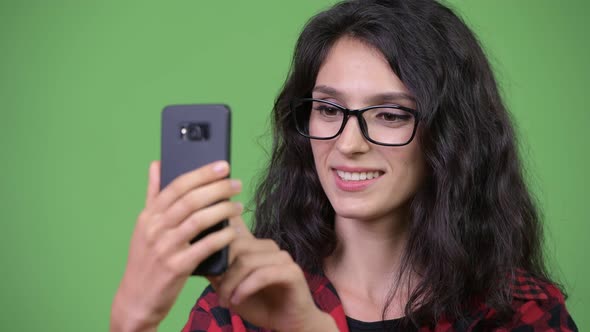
x=355 y=75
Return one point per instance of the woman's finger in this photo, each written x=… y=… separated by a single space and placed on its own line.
x=243 y=266
x=153 y=183
x=204 y=218
x=188 y=181
x=242 y=241
x=238 y=223
x=173 y=240
x=197 y=252
x=198 y=199
x=265 y=276
x=248 y=244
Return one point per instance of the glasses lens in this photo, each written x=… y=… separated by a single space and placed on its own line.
x=317 y=119
x=389 y=125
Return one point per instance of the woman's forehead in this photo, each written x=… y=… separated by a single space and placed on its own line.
x=356 y=72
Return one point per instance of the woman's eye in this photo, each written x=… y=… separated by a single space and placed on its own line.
x=393 y=117
x=328 y=111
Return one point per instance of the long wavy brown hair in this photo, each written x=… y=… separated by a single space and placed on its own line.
x=473 y=222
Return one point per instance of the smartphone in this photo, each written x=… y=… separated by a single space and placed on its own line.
x=192 y=136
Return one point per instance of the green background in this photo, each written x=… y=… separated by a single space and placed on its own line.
x=82 y=84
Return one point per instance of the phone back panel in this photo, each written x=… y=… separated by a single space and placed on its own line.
x=193 y=136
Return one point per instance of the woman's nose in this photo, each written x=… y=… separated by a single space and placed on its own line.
x=351 y=140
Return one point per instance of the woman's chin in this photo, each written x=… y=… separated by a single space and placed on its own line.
x=354 y=213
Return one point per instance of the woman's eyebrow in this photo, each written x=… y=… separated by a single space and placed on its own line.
x=377 y=98
x=390 y=97
x=328 y=90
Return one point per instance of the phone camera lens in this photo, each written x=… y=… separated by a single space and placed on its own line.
x=195 y=131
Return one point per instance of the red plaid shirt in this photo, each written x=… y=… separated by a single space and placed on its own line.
x=538 y=306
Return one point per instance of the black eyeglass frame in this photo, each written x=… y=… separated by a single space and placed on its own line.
x=358 y=113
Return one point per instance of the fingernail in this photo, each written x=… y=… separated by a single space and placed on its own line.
x=236 y=184
x=239 y=205
x=220 y=167
x=234 y=299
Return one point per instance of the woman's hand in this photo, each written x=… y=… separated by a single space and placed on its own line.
x=267 y=288
x=160 y=256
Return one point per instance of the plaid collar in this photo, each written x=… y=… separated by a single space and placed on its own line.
x=524 y=288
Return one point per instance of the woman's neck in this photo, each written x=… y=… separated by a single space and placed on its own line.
x=367 y=258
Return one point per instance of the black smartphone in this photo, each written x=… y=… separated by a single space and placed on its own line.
x=192 y=136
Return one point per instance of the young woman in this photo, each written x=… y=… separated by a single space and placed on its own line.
x=394 y=198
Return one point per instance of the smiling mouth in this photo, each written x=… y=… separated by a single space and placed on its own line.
x=358 y=176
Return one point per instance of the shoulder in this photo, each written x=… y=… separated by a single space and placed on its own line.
x=208 y=315
x=526 y=287
x=537 y=304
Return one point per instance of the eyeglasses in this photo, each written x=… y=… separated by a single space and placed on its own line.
x=390 y=125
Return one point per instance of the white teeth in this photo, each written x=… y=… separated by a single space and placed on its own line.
x=357 y=176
